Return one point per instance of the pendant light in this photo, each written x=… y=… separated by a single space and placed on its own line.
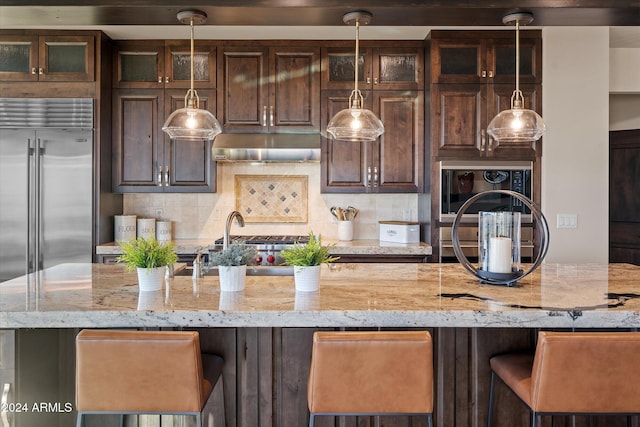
x=517 y=124
x=356 y=123
x=191 y=122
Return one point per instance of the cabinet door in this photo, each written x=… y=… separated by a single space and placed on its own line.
x=501 y=59
x=243 y=106
x=499 y=99
x=338 y=70
x=138 y=140
x=294 y=94
x=457 y=119
x=187 y=165
x=343 y=163
x=458 y=61
x=19 y=58
x=398 y=68
x=66 y=58
x=177 y=73
x=139 y=64
x=398 y=159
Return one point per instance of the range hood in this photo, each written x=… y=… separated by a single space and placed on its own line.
x=266 y=147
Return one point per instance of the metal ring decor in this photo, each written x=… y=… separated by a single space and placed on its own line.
x=543 y=229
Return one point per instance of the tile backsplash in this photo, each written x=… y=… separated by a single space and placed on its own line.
x=202 y=216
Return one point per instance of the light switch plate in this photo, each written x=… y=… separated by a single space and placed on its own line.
x=567 y=221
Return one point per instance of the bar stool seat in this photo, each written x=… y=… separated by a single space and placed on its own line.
x=143 y=372
x=371 y=373
x=574 y=373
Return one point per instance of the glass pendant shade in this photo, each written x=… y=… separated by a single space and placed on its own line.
x=356 y=123
x=191 y=122
x=516 y=125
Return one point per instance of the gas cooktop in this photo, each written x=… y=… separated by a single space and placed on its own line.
x=266 y=240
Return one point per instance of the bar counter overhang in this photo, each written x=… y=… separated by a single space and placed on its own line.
x=351 y=295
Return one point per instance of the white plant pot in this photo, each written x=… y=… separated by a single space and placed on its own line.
x=307 y=278
x=150 y=279
x=232 y=277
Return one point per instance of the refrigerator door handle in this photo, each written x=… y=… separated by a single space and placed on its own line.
x=31 y=205
x=39 y=205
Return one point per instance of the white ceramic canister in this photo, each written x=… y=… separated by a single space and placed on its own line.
x=345 y=230
x=147 y=227
x=124 y=227
x=163 y=231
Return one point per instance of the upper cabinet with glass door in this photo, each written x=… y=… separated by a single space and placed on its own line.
x=164 y=64
x=52 y=58
x=485 y=57
x=381 y=68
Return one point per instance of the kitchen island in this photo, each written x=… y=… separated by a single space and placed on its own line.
x=264 y=332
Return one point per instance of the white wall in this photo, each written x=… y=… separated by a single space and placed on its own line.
x=624 y=64
x=624 y=110
x=575 y=170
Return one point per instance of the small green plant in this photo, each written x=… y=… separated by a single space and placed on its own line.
x=308 y=254
x=235 y=254
x=146 y=253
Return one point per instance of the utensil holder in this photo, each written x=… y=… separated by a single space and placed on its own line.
x=345 y=230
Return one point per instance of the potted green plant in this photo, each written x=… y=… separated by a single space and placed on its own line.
x=232 y=265
x=150 y=258
x=306 y=260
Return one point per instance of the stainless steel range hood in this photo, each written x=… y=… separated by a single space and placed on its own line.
x=237 y=147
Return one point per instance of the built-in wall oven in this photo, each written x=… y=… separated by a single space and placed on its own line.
x=461 y=180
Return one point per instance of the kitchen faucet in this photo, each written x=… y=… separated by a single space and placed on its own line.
x=227 y=227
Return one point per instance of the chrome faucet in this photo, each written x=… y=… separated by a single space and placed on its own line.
x=227 y=227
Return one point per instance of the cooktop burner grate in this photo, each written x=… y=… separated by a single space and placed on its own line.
x=266 y=239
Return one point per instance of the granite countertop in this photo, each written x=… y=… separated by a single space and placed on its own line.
x=354 y=247
x=351 y=295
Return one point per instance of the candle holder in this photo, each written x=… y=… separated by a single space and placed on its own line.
x=499 y=241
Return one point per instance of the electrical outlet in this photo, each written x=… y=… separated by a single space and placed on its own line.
x=159 y=213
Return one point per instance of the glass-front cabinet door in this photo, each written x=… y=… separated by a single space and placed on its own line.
x=397 y=69
x=178 y=64
x=47 y=58
x=139 y=64
x=19 y=58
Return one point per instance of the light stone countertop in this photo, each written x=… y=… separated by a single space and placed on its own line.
x=351 y=295
x=354 y=247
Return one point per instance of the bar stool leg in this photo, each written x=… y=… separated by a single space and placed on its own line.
x=121 y=420
x=534 y=419
x=311 y=420
x=429 y=420
x=490 y=411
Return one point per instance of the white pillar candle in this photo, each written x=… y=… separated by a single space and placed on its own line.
x=500 y=255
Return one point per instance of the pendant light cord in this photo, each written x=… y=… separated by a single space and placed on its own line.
x=517 y=55
x=356 y=64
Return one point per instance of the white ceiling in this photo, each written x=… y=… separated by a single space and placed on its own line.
x=620 y=37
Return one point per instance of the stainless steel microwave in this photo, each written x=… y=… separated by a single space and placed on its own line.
x=460 y=180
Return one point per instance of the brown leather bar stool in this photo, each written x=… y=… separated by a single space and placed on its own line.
x=574 y=373
x=143 y=372
x=371 y=373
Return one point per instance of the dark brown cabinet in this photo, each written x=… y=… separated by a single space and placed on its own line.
x=485 y=57
x=384 y=68
x=269 y=89
x=47 y=58
x=144 y=158
x=472 y=80
x=392 y=164
x=164 y=64
x=460 y=114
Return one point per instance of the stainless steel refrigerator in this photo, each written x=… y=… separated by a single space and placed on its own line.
x=46 y=183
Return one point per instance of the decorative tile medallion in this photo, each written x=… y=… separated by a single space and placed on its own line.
x=272 y=198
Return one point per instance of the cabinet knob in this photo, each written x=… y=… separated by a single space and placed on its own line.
x=483 y=140
x=368 y=80
x=375 y=80
x=33 y=70
x=40 y=70
x=166 y=176
x=484 y=73
x=264 y=116
x=166 y=79
x=159 y=79
x=271 y=116
x=159 y=181
x=368 y=176
x=490 y=74
x=375 y=176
